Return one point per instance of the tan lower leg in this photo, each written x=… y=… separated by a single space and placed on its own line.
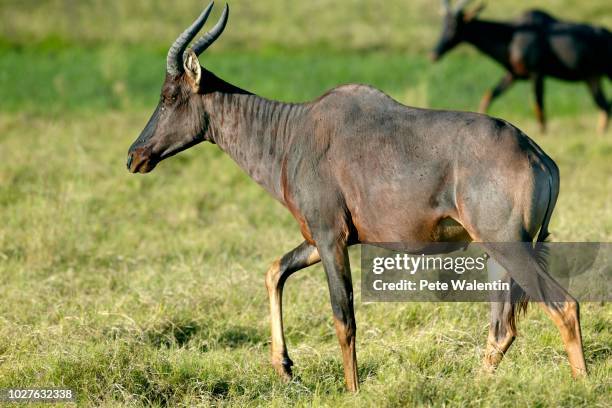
x=280 y=358
x=349 y=355
x=567 y=321
x=496 y=349
x=485 y=102
x=602 y=125
x=540 y=117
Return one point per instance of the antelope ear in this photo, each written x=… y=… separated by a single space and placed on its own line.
x=193 y=70
x=470 y=15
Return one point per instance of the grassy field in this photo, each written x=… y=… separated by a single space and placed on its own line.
x=148 y=290
x=271 y=24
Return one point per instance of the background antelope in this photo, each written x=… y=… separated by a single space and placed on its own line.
x=533 y=47
x=356 y=166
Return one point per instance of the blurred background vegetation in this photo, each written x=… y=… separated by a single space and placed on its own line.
x=148 y=290
x=109 y=54
x=395 y=25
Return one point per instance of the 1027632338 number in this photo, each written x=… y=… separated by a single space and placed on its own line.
x=37 y=394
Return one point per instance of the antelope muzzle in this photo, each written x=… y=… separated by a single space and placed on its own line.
x=141 y=160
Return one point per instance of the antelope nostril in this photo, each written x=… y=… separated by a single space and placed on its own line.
x=129 y=161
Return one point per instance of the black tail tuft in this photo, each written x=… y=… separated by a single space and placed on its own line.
x=519 y=302
x=519 y=299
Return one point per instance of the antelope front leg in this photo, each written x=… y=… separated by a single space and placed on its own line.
x=538 y=89
x=600 y=99
x=301 y=257
x=499 y=89
x=336 y=263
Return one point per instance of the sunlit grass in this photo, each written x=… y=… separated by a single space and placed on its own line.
x=140 y=290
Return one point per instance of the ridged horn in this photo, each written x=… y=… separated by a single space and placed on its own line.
x=174 y=60
x=207 y=39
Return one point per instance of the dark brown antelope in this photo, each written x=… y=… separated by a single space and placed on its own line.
x=356 y=166
x=535 y=46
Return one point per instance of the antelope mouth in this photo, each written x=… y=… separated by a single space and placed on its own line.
x=138 y=163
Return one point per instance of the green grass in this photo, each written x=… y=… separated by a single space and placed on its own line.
x=148 y=290
x=277 y=24
x=79 y=80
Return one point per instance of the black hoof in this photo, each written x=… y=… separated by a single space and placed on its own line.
x=287 y=363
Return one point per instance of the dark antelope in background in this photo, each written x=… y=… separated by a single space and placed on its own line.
x=356 y=166
x=535 y=46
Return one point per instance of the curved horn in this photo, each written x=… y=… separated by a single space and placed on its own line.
x=174 y=60
x=207 y=39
